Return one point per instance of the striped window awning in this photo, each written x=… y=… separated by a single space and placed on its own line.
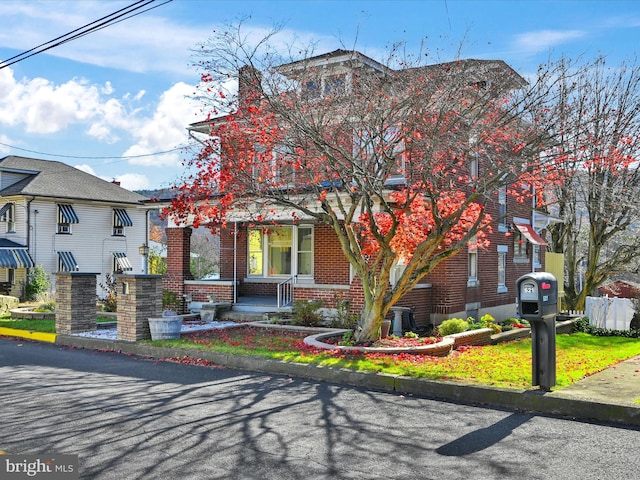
x=15 y=258
x=122 y=261
x=68 y=262
x=5 y=208
x=530 y=234
x=67 y=214
x=122 y=218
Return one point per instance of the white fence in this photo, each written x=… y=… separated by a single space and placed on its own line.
x=612 y=313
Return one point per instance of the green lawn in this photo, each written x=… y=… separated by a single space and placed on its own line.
x=505 y=365
x=47 y=326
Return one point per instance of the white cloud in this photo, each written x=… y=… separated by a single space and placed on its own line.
x=166 y=130
x=130 y=181
x=133 y=181
x=43 y=107
x=541 y=40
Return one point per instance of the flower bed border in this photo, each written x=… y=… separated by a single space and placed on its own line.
x=439 y=349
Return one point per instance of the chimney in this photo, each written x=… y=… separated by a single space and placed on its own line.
x=115 y=182
x=249 y=87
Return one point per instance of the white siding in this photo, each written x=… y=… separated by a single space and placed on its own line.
x=91 y=240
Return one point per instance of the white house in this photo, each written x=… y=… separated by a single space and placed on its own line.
x=64 y=219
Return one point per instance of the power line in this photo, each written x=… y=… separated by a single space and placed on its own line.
x=92 y=158
x=104 y=22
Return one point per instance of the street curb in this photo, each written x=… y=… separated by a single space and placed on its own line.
x=28 y=334
x=529 y=400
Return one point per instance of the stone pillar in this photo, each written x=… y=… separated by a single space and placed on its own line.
x=75 y=302
x=178 y=262
x=139 y=298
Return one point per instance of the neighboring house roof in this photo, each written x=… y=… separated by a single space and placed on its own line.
x=45 y=178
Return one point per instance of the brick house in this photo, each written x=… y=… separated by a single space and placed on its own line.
x=303 y=260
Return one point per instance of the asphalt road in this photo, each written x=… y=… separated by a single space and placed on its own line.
x=131 y=418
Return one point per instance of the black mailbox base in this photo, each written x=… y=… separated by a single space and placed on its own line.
x=543 y=353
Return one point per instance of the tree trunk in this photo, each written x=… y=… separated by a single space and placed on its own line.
x=370 y=324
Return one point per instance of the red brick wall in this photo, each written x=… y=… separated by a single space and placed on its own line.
x=330 y=266
x=178 y=261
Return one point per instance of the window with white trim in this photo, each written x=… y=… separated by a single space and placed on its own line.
x=280 y=251
x=472 y=261
x=382 y=154
x=120 y=219
x=9 y=216
x=502 y=209
x=502 y=268
x=520 y=248
x=66 y=217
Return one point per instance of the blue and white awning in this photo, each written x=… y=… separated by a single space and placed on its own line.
x=123 y=261
x=5 y=208
x=68 y=262
x=67 y=214
x=122 y=217
x=15 y=258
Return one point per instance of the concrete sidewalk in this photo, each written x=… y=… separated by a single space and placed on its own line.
x=612 y=395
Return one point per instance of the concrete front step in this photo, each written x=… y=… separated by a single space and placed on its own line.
x=249 y=316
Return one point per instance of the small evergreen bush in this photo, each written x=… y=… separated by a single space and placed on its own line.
x=110 y=299
x=453 y=325
x=305 y=313
x=37 y=284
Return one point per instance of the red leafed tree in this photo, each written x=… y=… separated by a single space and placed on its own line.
x=386 y=154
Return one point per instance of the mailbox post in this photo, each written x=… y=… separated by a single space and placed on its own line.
x=538 y=303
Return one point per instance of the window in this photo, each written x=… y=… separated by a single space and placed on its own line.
x=11 y=276
x=280 y=251
x=255 y=252
x=382 y=154
x=472 y=260
x=502 y=268
x=305 y=250
x=283 y=167
x=520 y=253
x=279 y=245
x=311 y=89
x=335 y=84
x=502 y=209
x=121 y=220
x=7 y=215
x=66 y=217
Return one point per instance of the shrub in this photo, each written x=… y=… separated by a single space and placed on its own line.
x=169 y=300
x=347 y=340
x=583 y=325
x=37 y=283
x=305 y=313
x=110 y=299
x=46 y=307
x=453 y=325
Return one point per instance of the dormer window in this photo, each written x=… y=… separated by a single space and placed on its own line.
x=66 y=217
x=312 y=89
x=335 y=84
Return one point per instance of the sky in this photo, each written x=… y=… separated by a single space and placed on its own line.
x=116 y=103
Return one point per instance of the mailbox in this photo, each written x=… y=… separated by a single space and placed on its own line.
x=537 y=296
x=538 y=303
